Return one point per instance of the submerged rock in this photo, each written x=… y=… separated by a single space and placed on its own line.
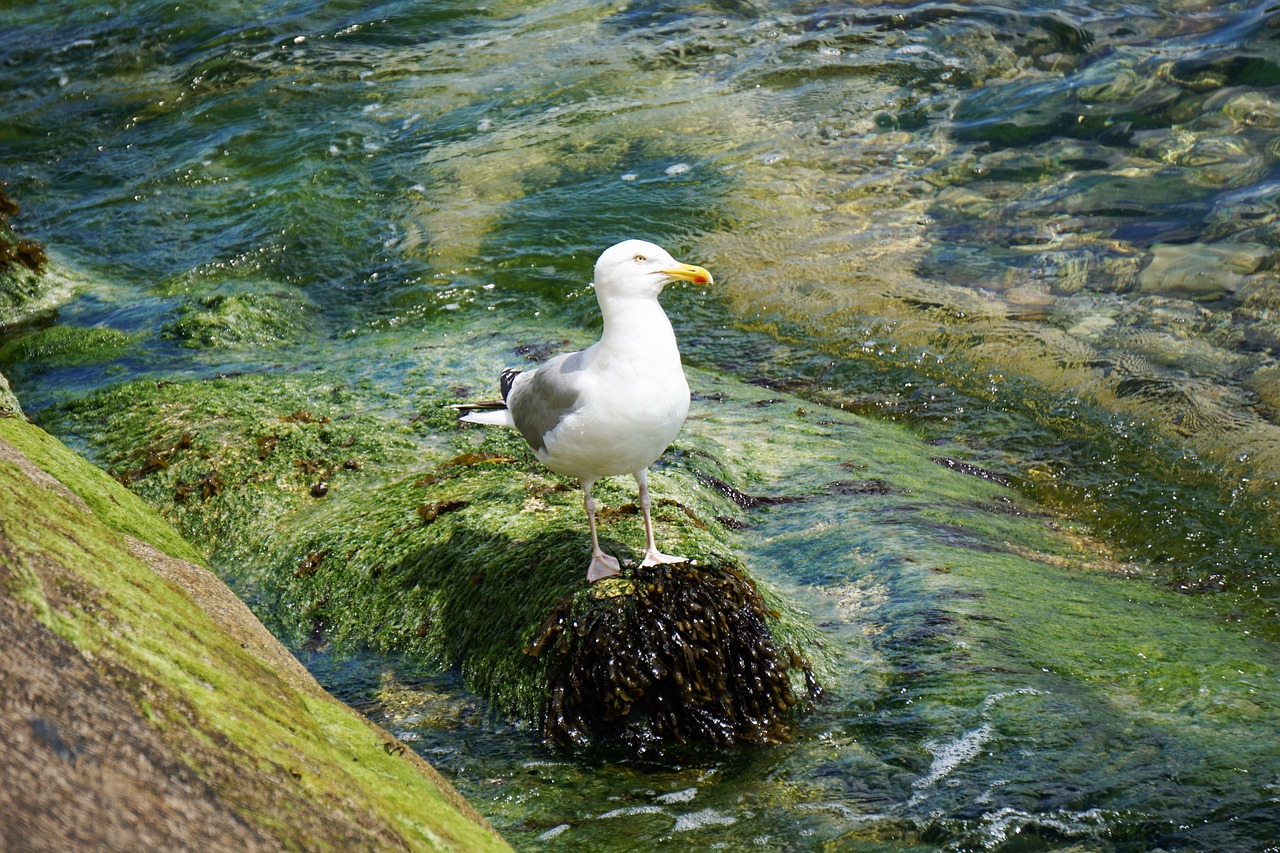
x=224 y=321
x=1201 y=271
x=64 y=345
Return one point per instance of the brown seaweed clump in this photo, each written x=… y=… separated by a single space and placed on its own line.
x=14 y=250
x=677 y=654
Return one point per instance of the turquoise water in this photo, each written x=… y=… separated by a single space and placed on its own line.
x=1044 y=236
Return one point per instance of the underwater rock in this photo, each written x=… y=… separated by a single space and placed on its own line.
x=1218 y=161
x=1201 y=271
x=1265 y=384
x=1029 y=300
x=1251 y=108
x=225 y=321
x=64 y=345
x=1246 y=216
x=1101 y=268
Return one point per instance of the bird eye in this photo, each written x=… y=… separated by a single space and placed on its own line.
x=639 y=259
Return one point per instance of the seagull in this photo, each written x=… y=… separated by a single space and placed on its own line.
x=614 y=407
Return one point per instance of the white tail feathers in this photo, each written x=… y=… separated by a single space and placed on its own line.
x=492 y=417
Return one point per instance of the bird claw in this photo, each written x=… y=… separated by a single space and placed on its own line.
x=603 y=566
x=657 y=558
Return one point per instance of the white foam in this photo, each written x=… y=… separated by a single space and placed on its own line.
x=1004 y=823
x=998 y=697
x=950 y=755
x=842 y=810
x=627 y=811
x=678 y=796
x=553 y=832
x=706 y=817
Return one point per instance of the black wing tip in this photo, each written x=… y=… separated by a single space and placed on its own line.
x=478 y=406
x=506 y=379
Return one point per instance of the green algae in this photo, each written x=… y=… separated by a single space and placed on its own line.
x=118 y=509
x=286 y=757
x=22 y=292
x=66 y=345
x=227 y=458
x=232 y=320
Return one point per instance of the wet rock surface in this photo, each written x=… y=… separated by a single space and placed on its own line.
x=83 y=768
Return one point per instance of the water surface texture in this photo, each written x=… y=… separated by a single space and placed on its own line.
x=1042 y=238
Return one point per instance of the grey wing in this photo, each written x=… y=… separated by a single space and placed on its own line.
x=541 y=401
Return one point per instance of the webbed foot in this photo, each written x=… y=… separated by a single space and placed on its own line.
x=602 y=566
x=654 y=557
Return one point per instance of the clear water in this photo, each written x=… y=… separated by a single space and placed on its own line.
x=1044 y=233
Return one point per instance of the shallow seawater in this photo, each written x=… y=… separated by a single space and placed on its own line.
x=1042 y=237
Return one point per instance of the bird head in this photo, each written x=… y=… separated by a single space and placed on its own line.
x=639 y=268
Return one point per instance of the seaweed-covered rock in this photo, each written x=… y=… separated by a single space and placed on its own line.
x=225 y=458
x=477 y=565
x=22 y=265
x=359 y=527
x=672 y=654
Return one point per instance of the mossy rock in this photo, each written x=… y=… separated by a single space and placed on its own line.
x=9 y=404
x=356 y=526
x=479 y=565
x=149 y=710
x=228 y=458
x=19 y=289
x=231 y=320
x=66 y=346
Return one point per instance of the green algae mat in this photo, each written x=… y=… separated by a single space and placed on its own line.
x=370 y=519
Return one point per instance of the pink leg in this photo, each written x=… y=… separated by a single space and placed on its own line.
x=602 y=565
x=652 y=556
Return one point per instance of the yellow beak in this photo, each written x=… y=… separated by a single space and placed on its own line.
x=689 y=272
